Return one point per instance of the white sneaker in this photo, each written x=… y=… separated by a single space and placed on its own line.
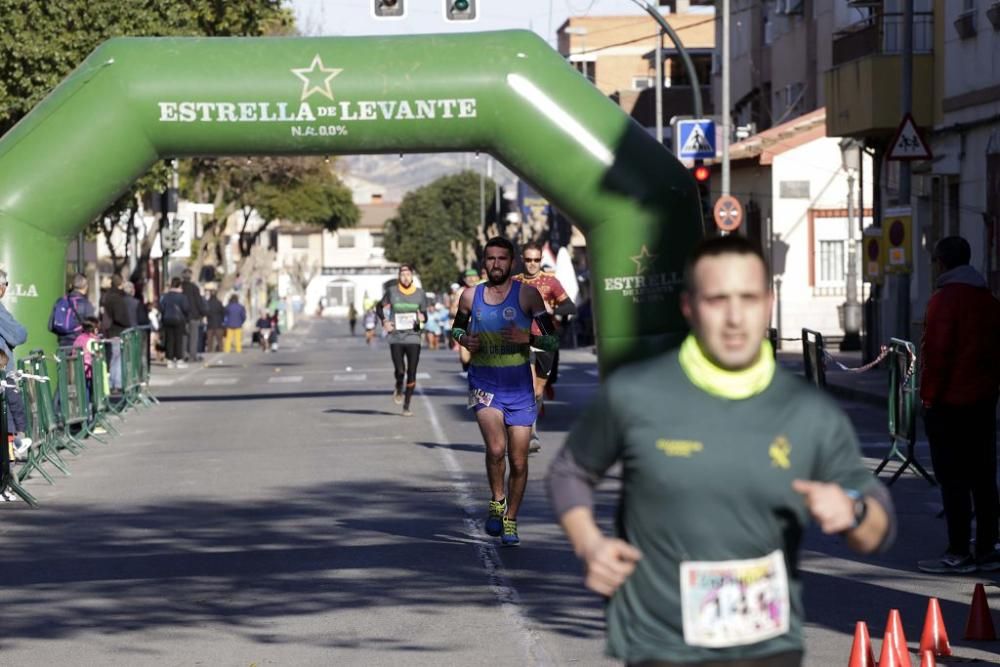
x=8 y=496
x=181 y=364
x=171 y=363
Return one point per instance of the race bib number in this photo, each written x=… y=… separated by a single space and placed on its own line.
x=405 y=321
x=734 y=602
x=480 y=397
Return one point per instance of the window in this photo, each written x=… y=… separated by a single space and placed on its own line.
x=378 y=240
x=345 y=240
x=831 y=262
x=677 y=72
x=300 y=242
x=588 y=68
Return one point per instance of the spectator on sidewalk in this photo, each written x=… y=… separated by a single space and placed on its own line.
x=959 y=381
x=264 y=331
x=233 y=320
x=12 y=334
x=70 y=310
x=132 y=305
x=88 y=340
x=175 y=314
x=196 y=312
x=215 y=313
x=114 y=319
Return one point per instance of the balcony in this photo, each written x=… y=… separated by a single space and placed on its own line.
x=863 y=86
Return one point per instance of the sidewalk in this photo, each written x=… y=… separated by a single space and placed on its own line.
x=871 y=386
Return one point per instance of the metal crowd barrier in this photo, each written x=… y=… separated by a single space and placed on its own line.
x=814 y=357
x=42 y=423
x=903 y=406
x=8 y=478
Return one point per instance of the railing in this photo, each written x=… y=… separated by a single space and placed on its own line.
x=882 y=34
x=61 y=415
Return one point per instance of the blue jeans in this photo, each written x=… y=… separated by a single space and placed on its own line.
x=115 y=366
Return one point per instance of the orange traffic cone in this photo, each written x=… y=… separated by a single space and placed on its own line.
x=861 y=651
x=895 y=625
x=979 y=627
x=935 y=635
x=927 y=659
x=889 y=657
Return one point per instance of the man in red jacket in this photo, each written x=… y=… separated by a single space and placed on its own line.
x=958 y=387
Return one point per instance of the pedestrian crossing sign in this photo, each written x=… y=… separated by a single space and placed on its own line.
x=695 y=139
x=908 y=144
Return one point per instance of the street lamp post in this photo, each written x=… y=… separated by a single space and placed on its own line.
x=850 y=153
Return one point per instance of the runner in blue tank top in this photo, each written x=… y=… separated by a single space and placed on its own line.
x=494 y=323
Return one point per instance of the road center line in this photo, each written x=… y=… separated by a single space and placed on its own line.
x=510 y=601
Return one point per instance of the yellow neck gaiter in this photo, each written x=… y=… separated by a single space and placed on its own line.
x=406 y=290
x=734 y=385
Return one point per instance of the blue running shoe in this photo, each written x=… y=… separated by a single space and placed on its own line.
x=494 y=522
x=509 y=537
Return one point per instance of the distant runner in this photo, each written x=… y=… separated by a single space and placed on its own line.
x=407 y=312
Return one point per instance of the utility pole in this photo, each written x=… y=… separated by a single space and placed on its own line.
x=906 y=106
x=659 y=86
x=725 y=97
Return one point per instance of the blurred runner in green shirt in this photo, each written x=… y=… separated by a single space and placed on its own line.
x=725 y=459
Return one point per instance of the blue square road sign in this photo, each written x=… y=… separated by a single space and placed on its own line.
x=696 y=139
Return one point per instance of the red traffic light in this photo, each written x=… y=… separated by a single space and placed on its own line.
x=702 y=173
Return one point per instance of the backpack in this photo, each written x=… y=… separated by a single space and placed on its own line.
x=172 y=312
x=65 y=319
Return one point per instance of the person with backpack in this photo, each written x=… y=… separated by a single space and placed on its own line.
x=175 y=311
x=70 y=310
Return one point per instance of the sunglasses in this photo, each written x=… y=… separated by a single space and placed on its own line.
x=532 y=260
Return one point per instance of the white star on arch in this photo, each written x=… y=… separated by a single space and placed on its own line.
x=316 y=72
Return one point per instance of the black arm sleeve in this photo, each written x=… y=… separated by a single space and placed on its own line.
x=545 y=324
x=379 y=312
x=565 y=307
x=461 y=321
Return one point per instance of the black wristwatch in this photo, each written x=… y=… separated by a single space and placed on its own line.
x=860 y=507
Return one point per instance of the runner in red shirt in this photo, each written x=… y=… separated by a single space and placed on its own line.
x=546 y=364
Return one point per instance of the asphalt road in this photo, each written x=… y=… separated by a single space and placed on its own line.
x=276 y=509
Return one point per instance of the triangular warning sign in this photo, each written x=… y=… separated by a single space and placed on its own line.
x=696 y=142
x=908 y=144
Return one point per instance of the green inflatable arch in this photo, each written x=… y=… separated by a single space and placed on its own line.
x=137 y=100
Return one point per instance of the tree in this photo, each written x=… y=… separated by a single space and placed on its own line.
x=292 y=189
x=438 y=228
x=41 y=42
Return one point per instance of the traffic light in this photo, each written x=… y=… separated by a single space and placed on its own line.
x=392 y=9
x=460 y=10
x=703 y=179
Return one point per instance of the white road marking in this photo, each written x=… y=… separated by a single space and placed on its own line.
x=350 y=377
x=423 y=376
x=284 y=379
x=159 y=381
x=593 y=372
x=510 y=601
x=213 y=382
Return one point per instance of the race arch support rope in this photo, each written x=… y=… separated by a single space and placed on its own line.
x=136 y=100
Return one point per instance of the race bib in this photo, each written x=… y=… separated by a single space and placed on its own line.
x=734 y=602
x=405 y=321
x=480 y=397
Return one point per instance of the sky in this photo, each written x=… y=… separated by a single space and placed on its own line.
x=354 y=17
